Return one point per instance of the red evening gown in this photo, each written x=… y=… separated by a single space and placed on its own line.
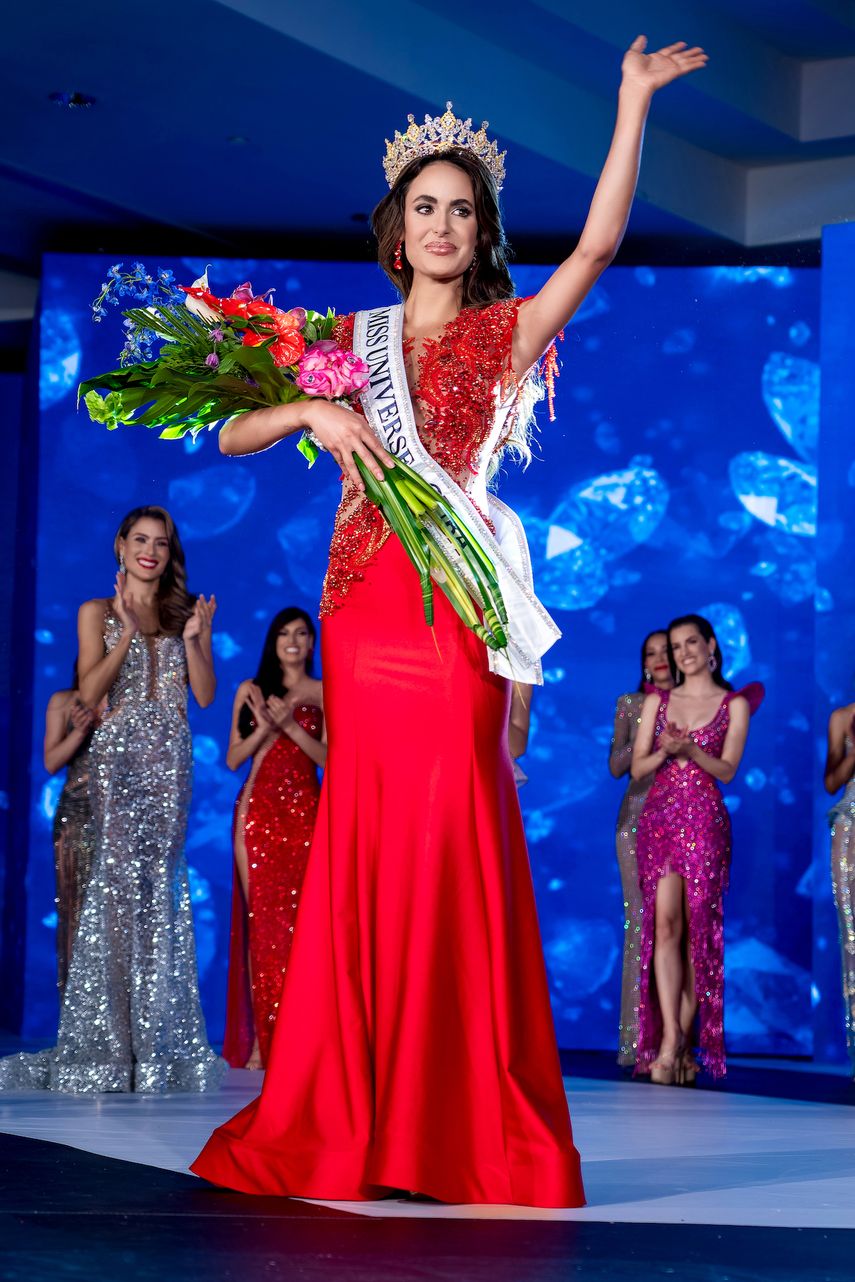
x=274 y=817
x=426 y=1056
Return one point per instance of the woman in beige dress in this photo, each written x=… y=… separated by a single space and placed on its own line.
x=840 y=773
x=655 y=675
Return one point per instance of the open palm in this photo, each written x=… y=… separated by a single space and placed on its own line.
x=653 y=70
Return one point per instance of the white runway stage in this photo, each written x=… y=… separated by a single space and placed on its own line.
x=650 y=1154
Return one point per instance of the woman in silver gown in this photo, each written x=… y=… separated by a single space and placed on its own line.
x=655 y=675
x=131 y=1019
x=840 y=773
x=68 y=731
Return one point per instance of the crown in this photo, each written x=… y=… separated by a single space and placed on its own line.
x=441 y=133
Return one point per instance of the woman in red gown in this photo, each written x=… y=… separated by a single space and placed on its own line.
x=426 y=1059
x=278 y=724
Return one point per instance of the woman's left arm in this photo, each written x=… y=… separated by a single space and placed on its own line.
x=197 y=637
x=725 y=767
x=543 y=317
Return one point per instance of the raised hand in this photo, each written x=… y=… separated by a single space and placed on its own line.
x=199 y=623
x=650 y=71
x=124 y=610
x=344 y=433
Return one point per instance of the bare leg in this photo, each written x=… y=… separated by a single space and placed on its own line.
x=668 y=967
x=242 y=868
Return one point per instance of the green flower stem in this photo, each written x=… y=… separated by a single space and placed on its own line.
x=422 y=519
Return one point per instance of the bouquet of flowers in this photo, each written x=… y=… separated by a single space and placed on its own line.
x=219 y=357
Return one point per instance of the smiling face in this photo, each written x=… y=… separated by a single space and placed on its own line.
x=656 y=659
x=691 y=652
x=146 y=550
x=440 y=228
x=294 y=644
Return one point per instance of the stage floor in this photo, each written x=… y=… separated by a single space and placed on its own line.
x=712 y=1184
x=651 y=1154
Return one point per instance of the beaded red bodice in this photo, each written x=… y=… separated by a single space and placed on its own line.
x=459 y=375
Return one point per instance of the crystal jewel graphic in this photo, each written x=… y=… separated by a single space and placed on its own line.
x=59 y=366
x=212 y=500
x=791 y=392
x=599 y=520
x=780 y=492
x=732 y=634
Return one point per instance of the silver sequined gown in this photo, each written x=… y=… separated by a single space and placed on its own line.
x=842 y=817
x=131 y=1018
x=73 y=849
x=627 y=717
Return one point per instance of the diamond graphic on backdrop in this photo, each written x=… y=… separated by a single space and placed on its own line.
x=779 y=277
x=212 y=500
x=823 y=601
x=205 y=749
x=791 y=392
x=729 y=627
x=800 y=333
x=49 y=798
x=59 y=357
x=606 y=438
x=204 y=919
x=305 y=539
x=580 y=957
x=595 y=304
x=225 y=646
x=777 y=491
x=645 y=276
x=768 y=998
x=599 y=520
x=679 y=342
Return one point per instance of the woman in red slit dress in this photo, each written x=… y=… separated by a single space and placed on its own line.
x=278 y=724
x=426 y=1059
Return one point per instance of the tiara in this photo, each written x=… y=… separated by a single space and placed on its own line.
x=441 y=133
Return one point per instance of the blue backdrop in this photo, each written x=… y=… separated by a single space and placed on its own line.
x=680 y=474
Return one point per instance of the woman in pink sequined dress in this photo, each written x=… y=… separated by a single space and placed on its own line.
x=278 y=725
x=693 y=738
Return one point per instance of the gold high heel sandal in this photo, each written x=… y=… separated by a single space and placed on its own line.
x=667 y=1070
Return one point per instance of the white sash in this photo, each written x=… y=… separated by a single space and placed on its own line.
x=386 y=401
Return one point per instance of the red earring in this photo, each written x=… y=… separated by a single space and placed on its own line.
x=398 y=264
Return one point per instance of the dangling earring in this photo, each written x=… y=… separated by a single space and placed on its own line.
x=648 y=675
x=398 y=264
x=712 y=663
x=474 y=262
x=121 y=563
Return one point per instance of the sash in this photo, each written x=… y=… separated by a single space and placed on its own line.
x=388 y=408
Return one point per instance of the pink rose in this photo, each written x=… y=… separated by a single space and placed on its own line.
x=319 y=382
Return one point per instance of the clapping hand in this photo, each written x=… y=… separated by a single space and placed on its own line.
x=82 y=717
x=198 y=625
x=282 y=712
x=674 y=740
x=125 y=612
x=651 y=71
x=258 y=708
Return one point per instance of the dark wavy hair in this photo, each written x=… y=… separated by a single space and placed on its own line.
x=657 y=632
x=268 y=678
x=708 y=633
x=174 y=603
x=489 y=280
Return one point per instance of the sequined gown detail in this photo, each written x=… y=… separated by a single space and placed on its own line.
x=131 y=1018
x=73 y=850
x=842 y=819
x=627 y=716
x=684 y=828
x=426 y=1057
x=275 y=816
